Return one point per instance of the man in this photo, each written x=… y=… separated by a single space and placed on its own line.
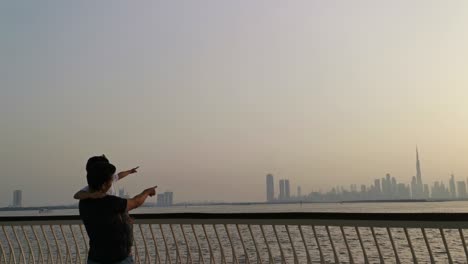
x=106 y=219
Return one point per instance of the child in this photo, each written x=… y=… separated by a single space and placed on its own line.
x=85 y=194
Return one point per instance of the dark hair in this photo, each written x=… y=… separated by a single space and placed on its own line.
x=94 y=160
x=99 y=173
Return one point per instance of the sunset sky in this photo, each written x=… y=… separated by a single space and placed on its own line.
x=207 y=97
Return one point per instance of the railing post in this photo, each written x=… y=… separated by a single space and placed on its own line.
x=322 y=258
x=446 y=246
x=49 y=250
x=279 y=244
x=209 y=245
x=428 y=246
x=2 y=250
x=67 y=247
x=408 y=238
x=246 y=255
x=147 y=255
x=335 y=254
x=168 y=255
x=377 y=245
x=200 y=253
x=12 y=250
x=296 y=260
x=259 y=256
x=178 y=256
x=351 y=260
x=19 y=244
x=309 y=260
x=189 y=252
x=366 y=260
x=462 y=236
x=77 y=248
x=267 y=244
x=397 y=258
x=223 y=256
x=156 y=248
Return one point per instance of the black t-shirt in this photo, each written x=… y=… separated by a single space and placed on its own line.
x=108 y=226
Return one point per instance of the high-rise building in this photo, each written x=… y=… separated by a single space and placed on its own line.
x=287 y=190
x=270 y=188
x=299 y=193
x=426 y=191
x=165 y=199
x=453 y=192
x=17 y=198
x=461 y=189
x=414 y=188
x=418 y=191
x=281 y=190
x=378 y=190
x=169 y=198
x=160 y=199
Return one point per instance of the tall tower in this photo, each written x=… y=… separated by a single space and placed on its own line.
x=281 y=190
x=419 y=192
x=17 y=198
x=418 y=169
x=270 y=188
x=287 y=190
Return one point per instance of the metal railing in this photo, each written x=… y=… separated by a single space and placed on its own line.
x=250 y=238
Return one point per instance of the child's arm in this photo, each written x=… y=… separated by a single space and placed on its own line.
x=85 y=194
x=124 y=174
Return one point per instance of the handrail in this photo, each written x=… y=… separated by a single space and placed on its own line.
x=409 y=220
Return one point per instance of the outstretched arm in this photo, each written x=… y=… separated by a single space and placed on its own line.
x=85 y=194
x=124 y=174
x=138 y=200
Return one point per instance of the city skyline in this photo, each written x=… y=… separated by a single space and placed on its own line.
x=386 y=188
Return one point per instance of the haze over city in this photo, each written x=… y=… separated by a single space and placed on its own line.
x=209 y=98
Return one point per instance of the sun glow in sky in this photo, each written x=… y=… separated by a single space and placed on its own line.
x=207 y=97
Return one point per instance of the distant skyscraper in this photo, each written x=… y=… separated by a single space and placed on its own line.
x=287 y=190
x=160 y=199
x=418 y=191
x=281 y=190
x=453 y=192
x=394 y=188
x=165 y=199
x=377 y=186
x=169 y=198
x=17 y=198
x=414 y=188
x=426 y=191
x=461 y=190
x=299 y=194
x=270 y=188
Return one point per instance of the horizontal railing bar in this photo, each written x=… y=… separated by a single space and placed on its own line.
x=445 y=217
x=394 y=220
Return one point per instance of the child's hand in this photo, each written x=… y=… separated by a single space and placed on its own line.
x=134 y=170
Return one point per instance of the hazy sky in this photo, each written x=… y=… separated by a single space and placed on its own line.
x=210 y=96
